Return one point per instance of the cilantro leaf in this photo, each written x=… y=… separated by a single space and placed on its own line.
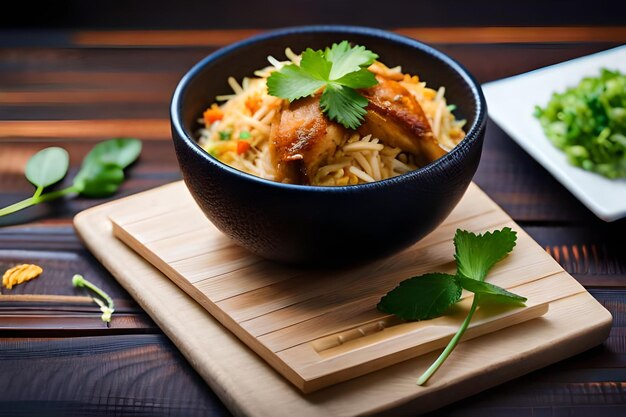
x=477 y=254
x=430 y=295
x=343 y=105
x=314 y=63
x=422 y=297
x=293 y=82
x=358 y=79
x=346 y=59
x=340 y=70
x=492 y=291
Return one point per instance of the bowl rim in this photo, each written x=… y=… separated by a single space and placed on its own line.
x=471 y=136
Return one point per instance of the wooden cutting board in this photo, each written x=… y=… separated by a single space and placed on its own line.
x=575 y=321
x=316 y=327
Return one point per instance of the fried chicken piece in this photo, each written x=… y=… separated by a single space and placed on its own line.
x=302 y=139
x=395 y=117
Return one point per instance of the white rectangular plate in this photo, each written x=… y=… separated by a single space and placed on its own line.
x=511 y=104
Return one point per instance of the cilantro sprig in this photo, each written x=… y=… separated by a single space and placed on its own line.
x=339 y=70
x=431 y=295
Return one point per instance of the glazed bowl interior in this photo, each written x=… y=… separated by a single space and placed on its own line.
x=293 y=223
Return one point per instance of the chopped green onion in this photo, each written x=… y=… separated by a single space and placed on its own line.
x=224 y=134
x=245 y=135
x=588 y=123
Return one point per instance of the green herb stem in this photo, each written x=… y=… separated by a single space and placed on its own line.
x=80 y=281
x=30 y=201
x=100 y=175
x=430 y=295
x=36 y=199
x=451 y=345
x=38 y=191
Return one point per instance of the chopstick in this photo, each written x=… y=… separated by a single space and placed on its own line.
x=45 y=298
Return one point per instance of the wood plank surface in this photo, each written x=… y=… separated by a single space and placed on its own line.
x=130 y=375
x=470 y=35
x=250 y=387
x=40 y=63
x=317 y=331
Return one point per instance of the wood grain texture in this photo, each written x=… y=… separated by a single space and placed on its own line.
x=50 y=63
x=458 y=35
x=320 y=328
x=589 y=382
x=249 y=386
x=528 y=194
x=73 y=129
x=130 y=375
x=48 y=305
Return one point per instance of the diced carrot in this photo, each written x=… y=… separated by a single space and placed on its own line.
x=253 y=103
x=242 y=147
x=212 y=115
x=411 y=79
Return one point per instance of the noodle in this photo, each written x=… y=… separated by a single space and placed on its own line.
x=362 y=175
x=250 y=110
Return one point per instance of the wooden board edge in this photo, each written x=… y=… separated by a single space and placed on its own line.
x=527 y=314
x=93 y=228
x=583 y=340
x=285 y=368
x=87 y=214
x=95 y=234
x=291 y=371
x=248 y=340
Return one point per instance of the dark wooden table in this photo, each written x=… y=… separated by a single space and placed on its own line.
x=73 y=89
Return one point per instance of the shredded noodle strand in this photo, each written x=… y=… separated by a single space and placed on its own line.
x=249 y=111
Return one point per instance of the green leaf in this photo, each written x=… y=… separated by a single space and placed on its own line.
x=343 y=105
x=347 y=59
x=100 y=175
x=98 y=179
x=292 y=82
x=588 y=123
x=358 y=79
x=102 y=170
x=477 y=254
x=340 y=70
x=493 y=292
x=315 y=64
x=47 y=166
x=423 y=297
x=121 y=152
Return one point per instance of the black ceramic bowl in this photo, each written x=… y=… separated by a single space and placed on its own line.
x=326 y=225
